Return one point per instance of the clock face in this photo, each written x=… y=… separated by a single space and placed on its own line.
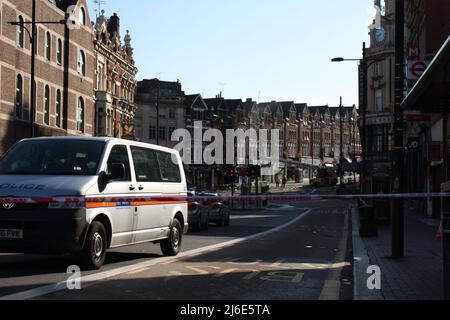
x=380 y=35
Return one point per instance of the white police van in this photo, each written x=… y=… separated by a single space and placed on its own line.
x=85 y=195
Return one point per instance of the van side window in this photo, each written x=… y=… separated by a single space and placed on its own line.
x=146 y=165
x=119 y=154
x=169 y=169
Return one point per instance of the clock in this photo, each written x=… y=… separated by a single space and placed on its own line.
x=380 y=35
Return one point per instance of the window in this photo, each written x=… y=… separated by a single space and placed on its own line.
x=379 y=69
x=379 y=100
x=19 y=96
x=80 y=115
x=47 y=105
x=152 y=133
x=146 y=165
x=379 y=139
x=100 y=77
x=58 y=108
x=119 y=155
x=53 y=157
x=59 y=52
x=168 y=167
x=162 y=133
x=172 y=114
x=20 y=33
x=82 y=63
x=82 y=17
x=48 y=46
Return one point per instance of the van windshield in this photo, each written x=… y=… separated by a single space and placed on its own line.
x=53 y=157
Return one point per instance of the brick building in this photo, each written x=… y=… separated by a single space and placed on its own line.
x=64 y=76
x=115 y=79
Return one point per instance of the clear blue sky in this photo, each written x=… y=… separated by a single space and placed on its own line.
x=274 y=49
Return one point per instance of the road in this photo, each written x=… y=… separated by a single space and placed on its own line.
x=293 y=251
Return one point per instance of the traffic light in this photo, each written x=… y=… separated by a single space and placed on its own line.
x=254 y=171
x=231 y=175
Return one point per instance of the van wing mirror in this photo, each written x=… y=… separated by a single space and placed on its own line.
x=117 y=172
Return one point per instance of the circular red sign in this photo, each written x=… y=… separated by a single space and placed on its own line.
x=418 y=68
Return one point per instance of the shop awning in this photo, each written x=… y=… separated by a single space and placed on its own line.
x=431 y=93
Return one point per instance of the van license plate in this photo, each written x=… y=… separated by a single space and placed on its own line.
x=11 y=234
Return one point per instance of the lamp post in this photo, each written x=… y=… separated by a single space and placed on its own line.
x=364 y=66
x=312 y=150
x=32 y=36
x=341 y=147
x=158 y=93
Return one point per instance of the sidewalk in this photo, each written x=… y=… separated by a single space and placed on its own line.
x=417 y=276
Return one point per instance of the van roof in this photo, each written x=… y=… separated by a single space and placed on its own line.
x=102 y=139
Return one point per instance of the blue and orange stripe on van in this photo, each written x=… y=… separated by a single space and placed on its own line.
x=138 y=202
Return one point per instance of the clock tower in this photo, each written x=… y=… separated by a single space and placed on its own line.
x=380 y=74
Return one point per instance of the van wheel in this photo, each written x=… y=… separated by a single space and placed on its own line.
x=171 y=246
x=94 y=251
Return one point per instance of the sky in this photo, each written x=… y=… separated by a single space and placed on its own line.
x=261 y=49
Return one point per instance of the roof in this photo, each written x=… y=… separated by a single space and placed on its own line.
x=433 y=85
x=263 y=106
x=248 y=105
x=233 y=104
x=100 y=139
x=194 y=101
x=301 y=107
x=286 y=106
x=320 y=109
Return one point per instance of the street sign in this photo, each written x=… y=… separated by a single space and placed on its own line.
x=416 y=68
x=413 y=143
x=417 y=117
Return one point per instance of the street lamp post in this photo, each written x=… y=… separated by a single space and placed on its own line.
x=364 y=66
x=158 y=93
x=341 y=147
x=312 y=150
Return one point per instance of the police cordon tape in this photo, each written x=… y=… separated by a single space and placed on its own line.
x=156 y=199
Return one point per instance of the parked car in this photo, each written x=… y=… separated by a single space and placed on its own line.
x=219 y=212
x=198 y=214
x=327 y=176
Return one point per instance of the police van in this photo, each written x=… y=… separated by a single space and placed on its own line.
x=86 y=195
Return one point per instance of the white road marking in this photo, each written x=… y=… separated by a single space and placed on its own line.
x=48 y=289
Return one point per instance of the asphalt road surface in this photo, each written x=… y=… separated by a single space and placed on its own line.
x=299 y=250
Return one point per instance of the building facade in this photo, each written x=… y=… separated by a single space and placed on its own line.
x=115 y=79
x=427 y=42
x=381 y=98
x=166 y=99
x=64 y=80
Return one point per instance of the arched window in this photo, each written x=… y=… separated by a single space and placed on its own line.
x=20 y=33
x=82 y=17
x=48 y=46
x=82 y=63
x=80 y=115
x=47 y=105
x=58 y=108
x=59 y=52
x=19 y=95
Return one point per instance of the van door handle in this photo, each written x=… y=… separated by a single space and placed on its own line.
x=141 y=188
x=132 y=188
